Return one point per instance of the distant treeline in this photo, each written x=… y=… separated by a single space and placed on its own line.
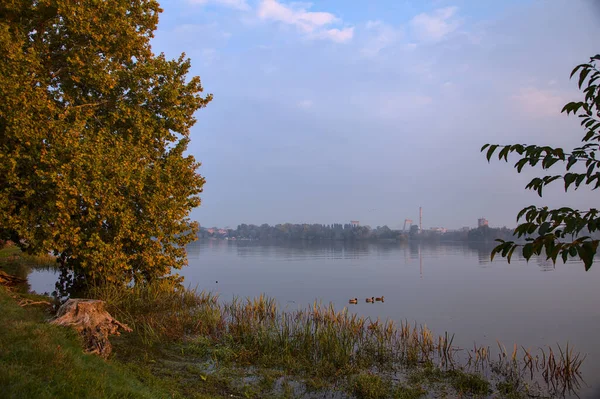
x=479 y=234
x=289 y=231
x=349 y=232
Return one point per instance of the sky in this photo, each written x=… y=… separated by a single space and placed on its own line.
x=340 y=110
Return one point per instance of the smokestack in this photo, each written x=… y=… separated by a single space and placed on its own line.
x=420 y=218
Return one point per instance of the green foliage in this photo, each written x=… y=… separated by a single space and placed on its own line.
x=93 y=131
x=561 y=232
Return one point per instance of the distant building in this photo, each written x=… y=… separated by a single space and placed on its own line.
x=354 y=223
x=439 y=229
x=482 y=222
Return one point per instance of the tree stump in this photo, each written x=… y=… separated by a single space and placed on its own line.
x=93 y=323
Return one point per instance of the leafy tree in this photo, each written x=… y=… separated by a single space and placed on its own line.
x=93 y=133
x=563 y=232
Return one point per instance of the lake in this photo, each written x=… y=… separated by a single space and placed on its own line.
x=448 y=287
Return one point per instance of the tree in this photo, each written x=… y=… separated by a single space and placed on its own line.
x=561 y=232
x=93 y=133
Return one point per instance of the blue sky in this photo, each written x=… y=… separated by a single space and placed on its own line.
x=336 y=110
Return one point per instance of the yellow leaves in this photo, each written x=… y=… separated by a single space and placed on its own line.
x=94 y=163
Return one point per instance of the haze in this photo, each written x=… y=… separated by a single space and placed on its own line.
x=350 y=110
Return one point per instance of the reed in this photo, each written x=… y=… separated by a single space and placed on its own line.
x=318 y=341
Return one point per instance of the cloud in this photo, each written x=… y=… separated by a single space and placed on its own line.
x=336 y=35
x=241 y=5
x=382 y=36
x=435 y=26
x=312 y=24
x=538 y=103
x=305 y=104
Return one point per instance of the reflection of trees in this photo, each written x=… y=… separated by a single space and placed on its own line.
x=296 y=249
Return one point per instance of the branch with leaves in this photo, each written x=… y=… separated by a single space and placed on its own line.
x=557 y=232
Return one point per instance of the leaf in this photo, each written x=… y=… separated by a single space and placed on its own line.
x=510 y=253
x=527 y=251
x=544 y=228
x=565 y=255
x=574 y=71
x=504 y=153
x=520 y=164
x=490 y=151
x=582 y=76
x=569 y=179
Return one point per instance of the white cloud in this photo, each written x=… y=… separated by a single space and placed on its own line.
x=235 y=4
x=538 y=103
x=312 y=24
x=305 y=104
x=336 y=35
x=382 y=36
x=435 y=26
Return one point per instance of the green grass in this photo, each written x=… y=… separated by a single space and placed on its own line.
x=463 y=383
x=39 y=360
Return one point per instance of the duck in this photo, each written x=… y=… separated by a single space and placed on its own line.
x=380 y=299
x=353 y=301
x=370 y=300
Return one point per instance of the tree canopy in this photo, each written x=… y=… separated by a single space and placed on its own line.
x=563 y=232
x=93 y=133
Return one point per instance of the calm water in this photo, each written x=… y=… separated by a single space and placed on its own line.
x=452 y=288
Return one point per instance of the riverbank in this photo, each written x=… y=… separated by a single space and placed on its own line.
x=188 y=344
x=191 y=344
x=160 y=360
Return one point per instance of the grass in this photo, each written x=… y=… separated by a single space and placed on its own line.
x=39 y=360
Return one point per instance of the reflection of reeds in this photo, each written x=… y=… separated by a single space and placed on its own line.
x=318 y=340
x=560 y=373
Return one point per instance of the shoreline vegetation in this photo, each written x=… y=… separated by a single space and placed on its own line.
x=352 y=232
x=191 y=344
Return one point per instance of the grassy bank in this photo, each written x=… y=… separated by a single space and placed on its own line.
x=39 y=360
